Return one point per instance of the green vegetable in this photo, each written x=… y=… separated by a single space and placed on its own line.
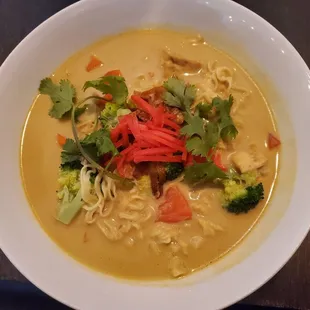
x=240 y=198
x=99 y=143
x=228 y=130
x=113 y=85
x=93 y=177
x=69 y=178
x=204 y=108
x=70 y=155
x=178 y=94
x=173 y=170
x=109 y=115
x=203 y=172
x=62 y=96
x=69 y=209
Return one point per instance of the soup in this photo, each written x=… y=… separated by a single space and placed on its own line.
x=149 y=154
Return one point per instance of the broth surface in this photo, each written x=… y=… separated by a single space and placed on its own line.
x=137 y=53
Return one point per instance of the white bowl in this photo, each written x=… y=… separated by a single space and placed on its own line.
x=267 y=56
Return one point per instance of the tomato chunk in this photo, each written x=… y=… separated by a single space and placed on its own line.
x=175 y=208
x=273 y=142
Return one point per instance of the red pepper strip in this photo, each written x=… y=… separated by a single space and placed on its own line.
x=190 y=159
x=165 y=130
x=119 y=143
x=155 y=138
x=143 y=105
x=128 y=149
x=133 y=125
x=273 y=142
x=158 y=118
x=167 y=137
x=125 y=137
x=171 y=124
x=175 y=208
x=200 y=159
x=165 y=159
x=115 y=132
x=154 y=151
x=184 y=156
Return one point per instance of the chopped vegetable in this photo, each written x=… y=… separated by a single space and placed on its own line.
x=109 y=115
x=144 y=184
x=114 y=73
x=62 y=96
x=178 y=94
x=203 y=172
x=61 y=140
x=79 y=112
x=175 y=208
x=173 y=170
x=69 y=209
x=228 y=130
x=241 y=198
x=69 y=178
x=112 y=85
x=273 y=142
x=94 y=63
x=70 y=155
x=98 y=143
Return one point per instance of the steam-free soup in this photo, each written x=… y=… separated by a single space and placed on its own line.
x=171 y=160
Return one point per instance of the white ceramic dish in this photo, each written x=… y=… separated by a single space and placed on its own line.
x=273 y=61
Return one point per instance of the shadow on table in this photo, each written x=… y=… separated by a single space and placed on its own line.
x=25 y=296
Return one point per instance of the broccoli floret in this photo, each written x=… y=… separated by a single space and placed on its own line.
x=144 y=184
x=68 y=179
x=109 y=115
x=173 y=170
x=242 y=196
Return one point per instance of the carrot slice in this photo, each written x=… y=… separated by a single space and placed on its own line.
x=94 y=63
x=114 y=73
x=273 y=142
x=61 y=139
x=175 y=208
x=217 y=159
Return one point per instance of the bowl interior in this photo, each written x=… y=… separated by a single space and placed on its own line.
x=283 y=78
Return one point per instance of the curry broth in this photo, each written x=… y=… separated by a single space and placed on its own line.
x=136 y=53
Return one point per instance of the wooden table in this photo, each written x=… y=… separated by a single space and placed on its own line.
x=291 y=286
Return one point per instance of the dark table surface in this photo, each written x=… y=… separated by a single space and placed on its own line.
x=291 y=286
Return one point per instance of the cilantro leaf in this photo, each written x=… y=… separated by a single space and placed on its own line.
x=195 y=126
x=70 y=155
x=99 y=143
x=62 y=96
x=228 y=130
x=201 y=145
x=113 y=85
x=204 y=172
x=178 y=94
x=204 y=109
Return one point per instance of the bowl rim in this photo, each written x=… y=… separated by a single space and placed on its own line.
x=252 y=285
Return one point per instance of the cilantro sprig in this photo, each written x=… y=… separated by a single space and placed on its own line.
x=62 y=96
x=113 y=85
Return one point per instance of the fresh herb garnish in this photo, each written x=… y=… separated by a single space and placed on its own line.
x=228 y=130
x=99 y=143
x=178 y=94
x=70 y=155
x=113 y=85
x=62 y=96
x=203 y=172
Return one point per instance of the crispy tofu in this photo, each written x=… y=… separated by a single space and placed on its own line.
x=246 y=162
